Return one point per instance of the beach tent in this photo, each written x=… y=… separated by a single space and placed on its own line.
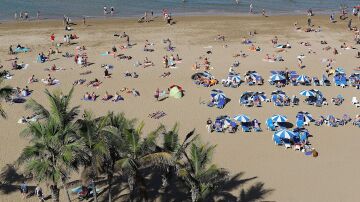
x=176 y=92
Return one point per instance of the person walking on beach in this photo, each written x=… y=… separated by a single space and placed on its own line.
x=309 y=21
x=15 y=16
x=208 y=125
x=84 y=20
x=251 y=8
x=349 y=24
x=38 y=15
x=105 y=10
x=112 y=10
x=52 y=38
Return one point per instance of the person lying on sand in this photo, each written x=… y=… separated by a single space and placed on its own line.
x=305 y=43
x=220 y=38
x=147 y=63
x=117 y=97
x=94 y=83
x=345 y=46
x=323 y=42
x=165 y=74
x=358 y=55
x=241 y=54
x=296 y=26
x=79 y=82
x=107 y=96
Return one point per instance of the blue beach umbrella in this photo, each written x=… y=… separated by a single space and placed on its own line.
x=220 y=96
x=285 y=134
x=242 y=118
x=277 y=77
x=302 y=78
x=215 y=92
x=236 y=78
x=279 y=118
x=307 y=93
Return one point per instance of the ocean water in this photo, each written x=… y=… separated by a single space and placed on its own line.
x=133 y=8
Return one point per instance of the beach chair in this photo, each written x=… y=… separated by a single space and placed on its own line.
x=300 y=122
x=270 y=125
x=221 y=104
x=277 y=140
x=343 y=81
x=355 y=101
x=316 y=81
x=325 y=81
x=245 y=128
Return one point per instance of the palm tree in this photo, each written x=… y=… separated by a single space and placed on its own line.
x=199 y=174
x=59 y=109
x=172 y=145
x=137 y=153
x=61 y=115
x=5 y=93
x=117 y=125
x=51 y=155
x=96 y=144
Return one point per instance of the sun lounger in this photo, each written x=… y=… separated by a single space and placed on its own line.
x=245 y=128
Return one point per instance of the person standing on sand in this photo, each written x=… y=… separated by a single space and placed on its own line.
x=105 y=10
x=52 y=38
x=208 y=125
x=349 y=24
x=84 y=20
x=24 y=189
x=309 y=21
x=15 y=16
x=251 y=8
x=38 y=15
x=112 y=10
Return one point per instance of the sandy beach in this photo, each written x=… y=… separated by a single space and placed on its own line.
x=292 y=176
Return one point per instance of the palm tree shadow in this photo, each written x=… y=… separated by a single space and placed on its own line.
x=253 y=193
x=10 y=179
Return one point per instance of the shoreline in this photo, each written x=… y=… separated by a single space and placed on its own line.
x=297 y=13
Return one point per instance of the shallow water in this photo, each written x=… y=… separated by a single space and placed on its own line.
x=131 y=8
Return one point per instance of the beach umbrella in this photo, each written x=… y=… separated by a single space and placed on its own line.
x=285 y=134
x=278 y=118
x=277 y=77
x=214 y=92
x=220 y=96
x=307 y=93
x=302 y=78
x=242 y=118
x=340 y=70
x=260 y=95
x=236 y=78
x=217 y=93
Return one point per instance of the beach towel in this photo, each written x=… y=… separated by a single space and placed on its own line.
x=21 y=50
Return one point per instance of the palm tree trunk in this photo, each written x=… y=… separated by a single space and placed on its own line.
x=92 y=180
x=55 y=192
x=66 y=190
x=109 y=179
